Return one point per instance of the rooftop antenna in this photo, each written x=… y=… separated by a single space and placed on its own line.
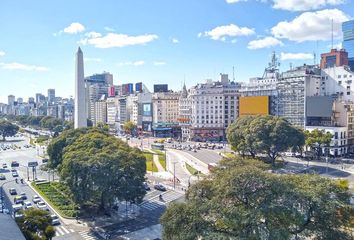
x=314 y=58
x=291 y=66
x=332 y=33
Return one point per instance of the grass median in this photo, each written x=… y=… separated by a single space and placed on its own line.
x=58 y=196
x=150 y=166
x=162 y=158
x=194 y=171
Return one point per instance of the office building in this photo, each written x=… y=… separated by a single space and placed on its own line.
x=348 y=41
x=160 y=88
x=51 y=96
x=335 y=58
x=100 y=112
x=11 y=100
x=294 y=86
x=80 y=93
x=214 y=108
x=185 y=113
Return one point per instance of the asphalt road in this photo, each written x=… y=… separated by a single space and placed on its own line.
x=23 y=156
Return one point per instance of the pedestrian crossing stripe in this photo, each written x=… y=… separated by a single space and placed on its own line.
x=155 y=202
x=87 y=235
x=61 y=230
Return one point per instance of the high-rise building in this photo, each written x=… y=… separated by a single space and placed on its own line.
x=348 y=41
x=80 y=93
x=40 y=98
x=102 y=78
x=51 y=95
x=335 y=58
x=160 y=88
x=11 y=100
x=19 y=100
x=294 y=86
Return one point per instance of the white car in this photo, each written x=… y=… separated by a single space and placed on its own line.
x=42 y=205
x=36 y=199
x=27 y=204
x=55 y=219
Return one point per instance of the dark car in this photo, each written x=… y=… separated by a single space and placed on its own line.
x=160 y=187
x=2 y=177
x=44 y=160
x=12 y=191
x=146 y=186
x=15 y=164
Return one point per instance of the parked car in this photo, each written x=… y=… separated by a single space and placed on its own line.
x=18 y=200
x=17 y=207
x=18 y=214
x=55 y=219
x=15 y=164
x=4 y=165
x=23 y=195
x=160 y=187
x=42 y=205
x=27 y=204
x=2 y=177
x=36 y=199
x=44 y=160
x=14 y=173
x=12 y=191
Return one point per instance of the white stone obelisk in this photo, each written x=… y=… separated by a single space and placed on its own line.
x=80 y=93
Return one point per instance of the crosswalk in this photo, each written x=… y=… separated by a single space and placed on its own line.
x=62 y=230
x=87 y=235
x=154 y=202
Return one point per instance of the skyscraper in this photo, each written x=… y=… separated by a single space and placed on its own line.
x=51 y=95
x=80 y=94
x=348 y=41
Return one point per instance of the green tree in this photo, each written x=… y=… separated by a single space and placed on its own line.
x=7 y=129
x=99 y=168
x=243 y=201
x=269 y=135
x=317 y=139
x=35 y=224
x=49 y=232
x=56 y=146
x=129 y=127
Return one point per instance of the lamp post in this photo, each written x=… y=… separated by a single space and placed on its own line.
x=174 y=175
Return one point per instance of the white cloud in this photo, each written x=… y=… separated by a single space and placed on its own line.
x=93 y=60
x=109 y=29
x=93 y=34
x=232 y=30
x=159 y=63
x=304 y=5
x=296 y=56
x=266 y=42
x=20 y=66
x=74 y=28
x=132 y=63
x=311 y=26
x=175 y=40
x=2 y=53
x=117 y=40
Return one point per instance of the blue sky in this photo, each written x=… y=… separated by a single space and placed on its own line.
x=158 y=41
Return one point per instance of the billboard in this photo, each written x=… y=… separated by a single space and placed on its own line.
x=258 y=105
x=111 y=91
x=130 y=88
x=147 y=111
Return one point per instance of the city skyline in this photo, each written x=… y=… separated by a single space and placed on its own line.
x=142 y=47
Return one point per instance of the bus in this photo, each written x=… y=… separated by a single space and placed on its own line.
x=157 y=146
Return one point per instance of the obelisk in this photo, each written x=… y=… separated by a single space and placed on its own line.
x=80 y=94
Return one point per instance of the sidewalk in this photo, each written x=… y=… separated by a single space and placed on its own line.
x=157 y=163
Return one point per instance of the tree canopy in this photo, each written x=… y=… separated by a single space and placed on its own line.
x=268 y=135
x=317 y=139
x=36 y=224
x=240 y=200
x=99 y=168
x=7 y=129
x=129 y=127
